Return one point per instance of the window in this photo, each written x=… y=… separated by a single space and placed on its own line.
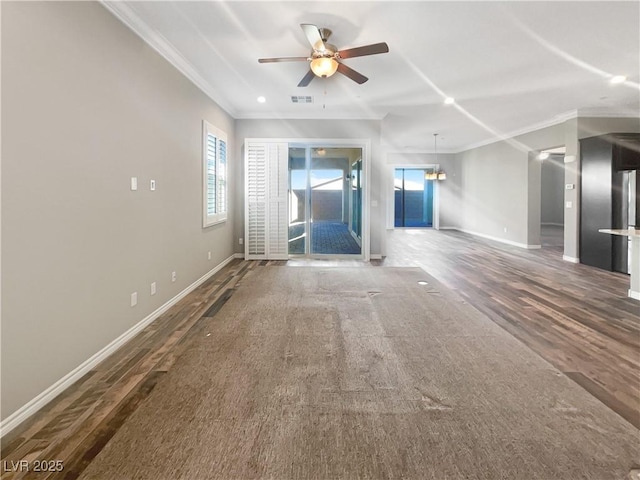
x=214 y=159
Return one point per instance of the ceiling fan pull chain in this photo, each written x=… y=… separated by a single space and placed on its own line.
x=324 y=100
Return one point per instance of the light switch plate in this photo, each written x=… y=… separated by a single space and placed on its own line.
x=152 y=185
x=569 y=204
x=134 y=183
x=569 y=186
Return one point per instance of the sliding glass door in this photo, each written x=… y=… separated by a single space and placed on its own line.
x=325 y=201
x=413 y=197
x=298 y=201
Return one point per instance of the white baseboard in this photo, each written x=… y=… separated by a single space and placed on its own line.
x=35 y=404
x=238 y=255
x=448 y=228
x=551 y=224
x=375 y=256
x=566 y=258
x=634 y=295
x=501 y=240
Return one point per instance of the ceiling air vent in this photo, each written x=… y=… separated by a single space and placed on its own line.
x=301 y=99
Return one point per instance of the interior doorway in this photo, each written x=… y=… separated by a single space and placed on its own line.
x=413 y=197
x=325 y=200
x=552 y=197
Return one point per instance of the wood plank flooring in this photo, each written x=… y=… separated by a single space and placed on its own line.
x=576 y=317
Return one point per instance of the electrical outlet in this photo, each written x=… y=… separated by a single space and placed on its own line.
x=505 y=229
x=173 y=276
x=153 y=288
x=134 y=299
x=569 y=204
x=209 y=256
x=241 y=241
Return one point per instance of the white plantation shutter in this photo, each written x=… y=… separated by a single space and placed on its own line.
x=214 y=160
x=256 y=200
x=266 y=214
x=210 y=173
x=221 y=177
x=278 y=206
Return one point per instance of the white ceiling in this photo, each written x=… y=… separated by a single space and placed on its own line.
x=511 y=66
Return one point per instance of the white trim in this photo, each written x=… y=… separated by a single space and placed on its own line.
x=391 y=199
x=160 y=44
x=556 y=120
x=567 y=258
x=501 y=240
x=552 y=224
x=221 y=176
x=449 y=228
x=304 y=115
x=238 y=255
x=375 y=256
x=365 y=145
x=35 y=404
x=603 y=112
x=634 y=295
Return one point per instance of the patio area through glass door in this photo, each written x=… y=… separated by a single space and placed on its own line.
x=325 y=201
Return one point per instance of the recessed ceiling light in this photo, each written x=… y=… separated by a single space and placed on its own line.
x=543 y=155
x=261 y=99
x=449 y=100
x=422 y=282
x=618 y=79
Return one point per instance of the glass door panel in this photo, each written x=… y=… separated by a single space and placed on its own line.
x=298 y=231
x=325 y=201
x=355 y=217
x=413 y=198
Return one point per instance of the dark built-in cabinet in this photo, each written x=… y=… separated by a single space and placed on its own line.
x=606 y=200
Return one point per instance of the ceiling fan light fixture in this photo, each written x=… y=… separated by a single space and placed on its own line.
x=324 y=66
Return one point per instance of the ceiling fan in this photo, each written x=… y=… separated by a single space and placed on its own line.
x=324 y=59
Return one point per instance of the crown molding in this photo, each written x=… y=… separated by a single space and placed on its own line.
x=608 y=113
x=561 y=118
x=160 y=44
x=302 y=116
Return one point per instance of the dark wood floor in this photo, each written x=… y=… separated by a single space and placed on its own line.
x=576 y=317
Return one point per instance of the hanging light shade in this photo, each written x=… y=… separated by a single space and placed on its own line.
x=439 y=175
x=324 y=66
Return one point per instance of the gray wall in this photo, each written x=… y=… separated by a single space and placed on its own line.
x=552 y=201
x=85 y=106
x=501 y=186
x=319 y=129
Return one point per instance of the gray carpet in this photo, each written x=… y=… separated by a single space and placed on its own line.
x=327 y=373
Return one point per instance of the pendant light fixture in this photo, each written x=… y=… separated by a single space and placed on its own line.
x=439 y=174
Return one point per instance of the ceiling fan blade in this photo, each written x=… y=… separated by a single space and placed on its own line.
x=352 y=74
x=313 y=35
x=282 y=59
x=373 y=49
x=306 y=80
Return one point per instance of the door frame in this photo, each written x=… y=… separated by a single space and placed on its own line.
x=392 y=196
x=362 y=143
